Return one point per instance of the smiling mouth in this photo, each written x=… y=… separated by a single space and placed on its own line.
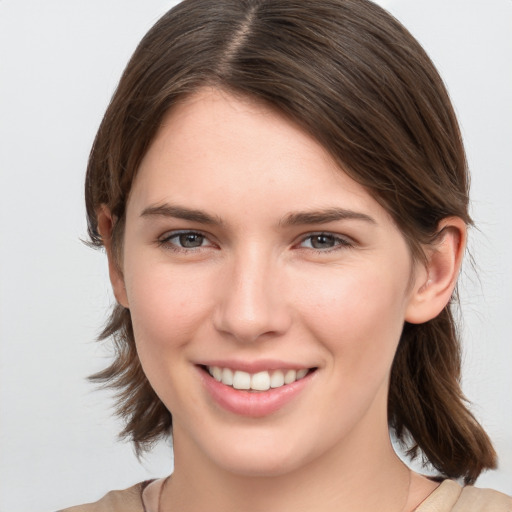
x=260 y=381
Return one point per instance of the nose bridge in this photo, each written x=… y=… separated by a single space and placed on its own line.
x=250 y=304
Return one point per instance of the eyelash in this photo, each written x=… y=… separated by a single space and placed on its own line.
x=166 y=241
x=339 y=242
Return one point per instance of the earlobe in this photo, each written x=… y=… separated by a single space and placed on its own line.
x=434 y=286
x=106 y=223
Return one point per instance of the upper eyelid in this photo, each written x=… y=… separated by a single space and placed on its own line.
x=342 y=243
x=175 y=232
x=166 y=236
x=337 y=236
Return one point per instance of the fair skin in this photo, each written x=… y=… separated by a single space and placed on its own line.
x=247 y=249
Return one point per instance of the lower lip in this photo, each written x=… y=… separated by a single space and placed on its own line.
x=255 y=404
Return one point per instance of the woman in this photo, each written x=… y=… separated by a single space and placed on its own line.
x=281 y=190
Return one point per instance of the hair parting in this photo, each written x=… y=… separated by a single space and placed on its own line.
x=350 y=75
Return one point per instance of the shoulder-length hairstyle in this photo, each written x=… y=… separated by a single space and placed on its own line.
x=354 y=78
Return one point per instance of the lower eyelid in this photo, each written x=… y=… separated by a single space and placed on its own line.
x=168 y=238
x=338 y=241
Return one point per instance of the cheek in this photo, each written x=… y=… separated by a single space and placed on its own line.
x=358 y=316
x=166 y=304
x=168 y=308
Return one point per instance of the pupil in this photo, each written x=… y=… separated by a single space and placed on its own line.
x=322 y=241
x=191 y=240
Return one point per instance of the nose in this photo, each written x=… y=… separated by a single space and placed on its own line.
x=252 y=301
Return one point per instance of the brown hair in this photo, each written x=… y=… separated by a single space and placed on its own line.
x=353 y=77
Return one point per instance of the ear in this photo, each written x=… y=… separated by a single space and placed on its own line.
x=106 y=223
x=434 y=283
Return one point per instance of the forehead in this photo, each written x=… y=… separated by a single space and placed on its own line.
x=215 y=149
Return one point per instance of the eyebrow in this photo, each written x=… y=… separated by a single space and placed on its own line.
x=324 y=216
x=180 y=212
x=292 y=219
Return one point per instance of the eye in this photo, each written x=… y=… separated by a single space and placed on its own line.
x=184 y=240
x=324 y=241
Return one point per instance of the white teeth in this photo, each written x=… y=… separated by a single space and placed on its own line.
x=227 y=376
x=217 y=373
x=277 y=379
x=290 y=376
x=261 y=381
x=241 y=380
x=301 y=373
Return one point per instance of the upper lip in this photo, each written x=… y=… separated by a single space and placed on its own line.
x=255 y=366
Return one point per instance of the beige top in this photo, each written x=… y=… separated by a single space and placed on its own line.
x=448 y=497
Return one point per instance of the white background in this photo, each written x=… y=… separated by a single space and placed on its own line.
x=59 y=63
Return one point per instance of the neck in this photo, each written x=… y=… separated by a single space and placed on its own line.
x=361 y=474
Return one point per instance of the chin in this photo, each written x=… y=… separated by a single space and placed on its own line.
x=258 y=455
x=261 y=465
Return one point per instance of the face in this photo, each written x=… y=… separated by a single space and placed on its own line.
x=267 y=289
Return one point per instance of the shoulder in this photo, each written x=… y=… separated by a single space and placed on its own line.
x=128 y=500
x=451 y=497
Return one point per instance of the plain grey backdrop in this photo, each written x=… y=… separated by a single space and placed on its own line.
x=59 y=63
